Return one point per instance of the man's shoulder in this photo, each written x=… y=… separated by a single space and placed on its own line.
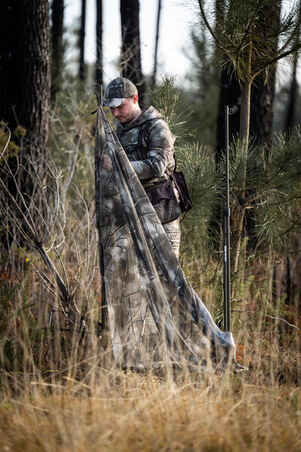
x=151 y=119
x=148 y=117
x=150 y=114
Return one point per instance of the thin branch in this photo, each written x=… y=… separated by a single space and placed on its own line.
x=270 y=317
x=283 y=320
x=7 y=143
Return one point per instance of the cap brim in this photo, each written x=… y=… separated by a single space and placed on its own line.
x=113 y=102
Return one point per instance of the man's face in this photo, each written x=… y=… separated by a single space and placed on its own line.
x=126 y=111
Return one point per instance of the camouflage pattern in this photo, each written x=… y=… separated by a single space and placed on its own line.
x=149 y=300
x=149 y=145
x=117 y=90
x=152 y=157
x=173 y=232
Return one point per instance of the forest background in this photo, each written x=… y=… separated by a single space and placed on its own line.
x=59 y=387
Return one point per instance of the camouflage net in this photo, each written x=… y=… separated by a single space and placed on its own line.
x=154 y=315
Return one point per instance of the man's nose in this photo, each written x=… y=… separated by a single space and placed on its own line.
x=115 y=112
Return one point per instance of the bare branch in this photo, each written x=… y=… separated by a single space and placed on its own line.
x=7 y=143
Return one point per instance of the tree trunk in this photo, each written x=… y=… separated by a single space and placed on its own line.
x=25 y=91
x=262 y=100
x=230 y=94
x=82 y=39
x=131 y=66
x=154 y=76
x=24 y=68
x=57 y=55
x=294 y=89
x=263 y=88
x=292 y=100
x=245 y=110
x=99 y=47
x=261 y=112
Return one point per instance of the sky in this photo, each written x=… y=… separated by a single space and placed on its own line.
x=176 y=22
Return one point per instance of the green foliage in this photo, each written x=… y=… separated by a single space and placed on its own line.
x=278 y=212
x=172 y=104
x=252 y=37
x=197 y=163
x=250 y=27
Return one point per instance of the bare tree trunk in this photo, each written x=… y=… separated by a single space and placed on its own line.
x=229 y=94
x=82 y=39
x=154 y=76
x=262 y=100
x=263 y=90
x=245 y=110
x=293 y=92
x=99 y=47
x=24 y=69
x=25 y=92
x=57 y=54
x=293 y=96
x=131 y=66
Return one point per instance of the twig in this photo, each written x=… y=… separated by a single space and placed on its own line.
x=7 y=143
x=283 y=320
x=271 y=317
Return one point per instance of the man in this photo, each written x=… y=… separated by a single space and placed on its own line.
x=149 y=145
x=154 y=314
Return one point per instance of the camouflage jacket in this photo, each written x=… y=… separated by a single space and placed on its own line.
x=149 y=145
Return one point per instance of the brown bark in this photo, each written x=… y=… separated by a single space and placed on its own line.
x=24 y=91
x=230 y=93
x=290 y=120
x=154 y=75
x=99 y=46
x=82 y=38
x=57 y=54
x=131 y=66
x=24 y=68
x=263 y=88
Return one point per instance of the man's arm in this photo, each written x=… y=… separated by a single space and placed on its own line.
x=160 y=152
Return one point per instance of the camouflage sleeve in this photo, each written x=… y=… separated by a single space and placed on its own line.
x=160 y=152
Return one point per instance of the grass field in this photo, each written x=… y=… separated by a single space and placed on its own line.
x=143 y=413
x=58 y=394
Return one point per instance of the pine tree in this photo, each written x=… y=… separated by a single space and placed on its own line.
x=24 y=99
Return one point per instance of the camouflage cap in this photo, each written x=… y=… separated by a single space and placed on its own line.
x=117 y=90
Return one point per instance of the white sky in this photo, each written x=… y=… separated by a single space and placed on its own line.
x=176 y=21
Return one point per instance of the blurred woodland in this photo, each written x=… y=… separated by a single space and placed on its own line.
x=246 y=57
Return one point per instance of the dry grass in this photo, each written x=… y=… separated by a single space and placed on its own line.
x=143 y=413
x=57 y=395
x=60 y=394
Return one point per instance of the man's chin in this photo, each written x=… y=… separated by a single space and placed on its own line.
x=124 y=121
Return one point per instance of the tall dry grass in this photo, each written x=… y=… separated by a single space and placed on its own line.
x=122 y=412
x=62 y=392
x=59 y=387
